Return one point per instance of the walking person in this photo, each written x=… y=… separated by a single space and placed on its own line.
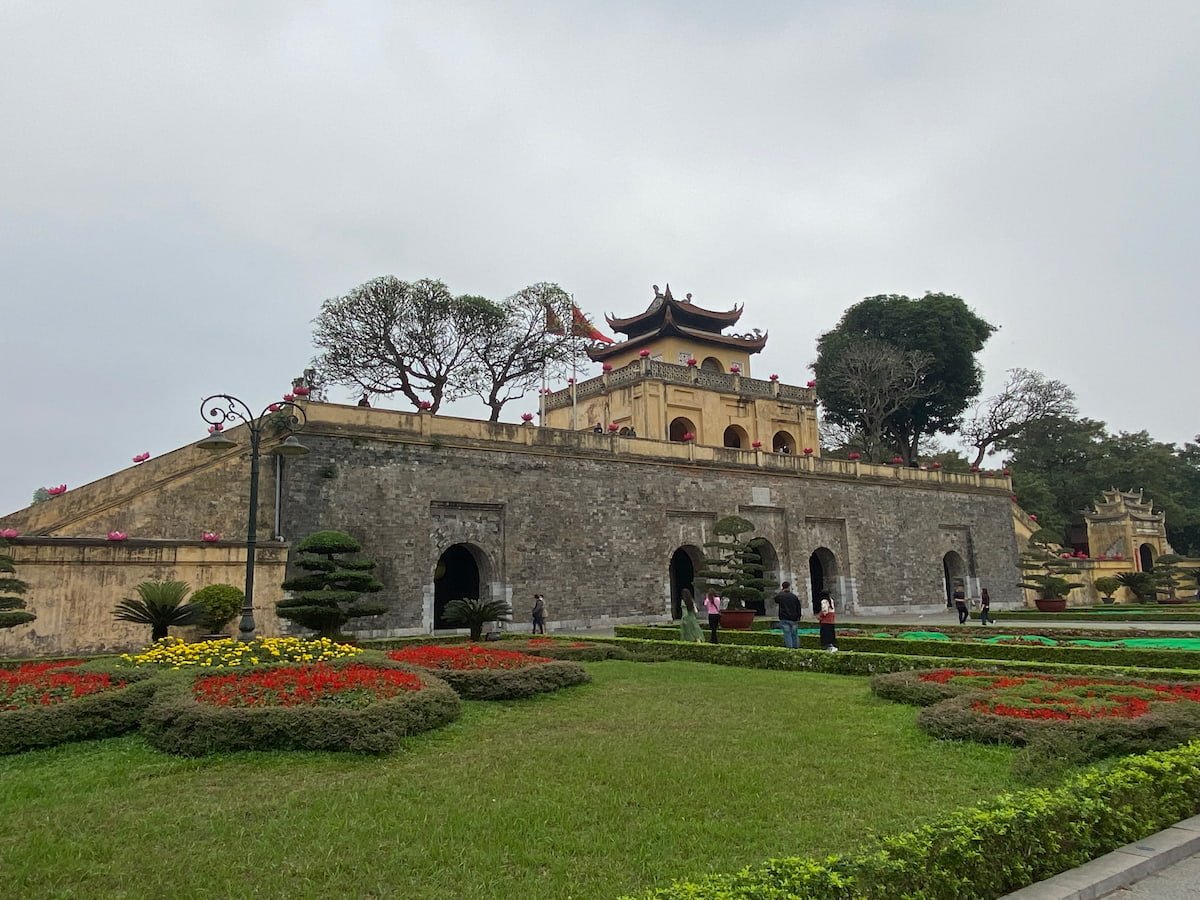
x=826 y=619
x=985 y=608
x=960 y=604
x=789 y=615
x=689 y=628
x=539 y=614
x=712 y=606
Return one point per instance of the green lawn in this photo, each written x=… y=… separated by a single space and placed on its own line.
x=651 y=773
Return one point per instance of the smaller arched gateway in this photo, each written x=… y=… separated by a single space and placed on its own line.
x=736 y=436
x=686 y=561
x=954 y=575
x=823 y=576
x=462 y=571
x=680 y=427
x=783 y=442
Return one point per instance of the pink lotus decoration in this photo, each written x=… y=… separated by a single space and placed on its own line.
x=692 y=361
x=644 y=353
x=1034 y=517
x=811 y=384
x=854 y=455
x=142 y=457
x=301 y=391
x=1013 y=498
x=8 y=533
x=1006 y=472
x=1114 y=556
x=570 y=381
x=55 y=491
x=756 y=444
x=688 y=436
x=897 y=460
x=213 y=429
x=773 y=378
x=424 y=404
x=613 y=426
x=974 y=468
x=1066 y=555
x=526 y=417
x=606 y=368
x=274 y=407
x=735 y=368
x=210 y=536
x=117 y=536
x=808 y=451
x=289 y=397
x=937 y=465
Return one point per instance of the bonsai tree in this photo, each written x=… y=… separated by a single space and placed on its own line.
x=1140 y=584
x=220 y=602
x=735 y=568
x=327 y=596
x=475 y=613
x=1044 y=571
x=160 y=605
x=1107 y=585
x=1169 y=574
x=12 y=606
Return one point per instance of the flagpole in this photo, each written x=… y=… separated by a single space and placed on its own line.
x=574 y=370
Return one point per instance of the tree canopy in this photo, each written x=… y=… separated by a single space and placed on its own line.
x=938 y=329
x=418 y=339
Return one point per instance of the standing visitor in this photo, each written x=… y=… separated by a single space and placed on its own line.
x=789 y=615
x=689 y=628
x=712 y=606
x=960 y=604
x=539 y=614
x=985 y=608
x=825 y=617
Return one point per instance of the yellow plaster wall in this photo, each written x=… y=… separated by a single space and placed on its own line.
x=74 y=585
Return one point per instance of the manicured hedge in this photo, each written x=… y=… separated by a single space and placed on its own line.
x=176 y=722
x=514 y=684
x=1085 y=613
x=1016 y=840
x=104 y=714
x=563 y=648
x=1085 y=656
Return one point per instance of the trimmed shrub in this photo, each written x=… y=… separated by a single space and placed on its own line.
x=220 y=603
x=106 y=713
x=558 y=648
x=176 y=722
x=515 y=684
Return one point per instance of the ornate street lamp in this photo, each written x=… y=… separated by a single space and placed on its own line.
x=281 y=413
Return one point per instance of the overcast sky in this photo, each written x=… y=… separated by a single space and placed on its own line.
x=182 y=184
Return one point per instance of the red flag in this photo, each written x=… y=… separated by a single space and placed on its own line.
x=554 y=324
x=581 y=327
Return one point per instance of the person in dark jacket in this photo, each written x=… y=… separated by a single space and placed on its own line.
x=985 y=608
x=789 y=615
x=960 y=604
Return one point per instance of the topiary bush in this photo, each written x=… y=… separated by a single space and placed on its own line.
x=328 y=596
x=12 y=605
x=220 y=603
x=479 y=673
x=558 y=648
x=178 y=722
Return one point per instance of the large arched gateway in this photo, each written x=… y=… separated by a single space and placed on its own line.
x=461 y=572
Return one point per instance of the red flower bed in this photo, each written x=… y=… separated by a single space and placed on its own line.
x=42 y=684
x=550 y=642
x=462 y=658
x=353 y=686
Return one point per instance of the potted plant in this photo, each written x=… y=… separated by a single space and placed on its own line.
x=1107 y=585
x=735 y=569
x=1045 y=572
x=219 y=603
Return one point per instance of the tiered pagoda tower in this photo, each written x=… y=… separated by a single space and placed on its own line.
x=1122 y=523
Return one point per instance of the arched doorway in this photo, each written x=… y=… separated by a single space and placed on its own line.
x=685 y=562
x=770 y=571
x=712 y=364
x=954 y=572
x=457 y=575
x=1146 y=558
x=822 y=576
x=680 y=427
x=783 y=442
x=735 y=436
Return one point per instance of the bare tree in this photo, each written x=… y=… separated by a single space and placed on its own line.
x=874 y=380
x=1027 y=397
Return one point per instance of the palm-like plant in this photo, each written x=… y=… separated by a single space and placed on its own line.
x=160 y=605
x=1141 y=584
x=475 y=613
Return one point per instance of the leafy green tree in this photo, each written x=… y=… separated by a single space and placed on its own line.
x=160 y=605
x=938 y=328
x=220 y=602
x=735 y=568
x=12 y=605
x=327 y=596
x=41 y=495
x=1027 y=397
x=475 y=613
x=1107 y=585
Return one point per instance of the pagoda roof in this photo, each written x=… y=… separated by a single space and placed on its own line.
x=667 y=316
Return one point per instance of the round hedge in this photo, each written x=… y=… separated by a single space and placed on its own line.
x=555 y=648
x=104 y=714
x=514 y=684
x=176 y=722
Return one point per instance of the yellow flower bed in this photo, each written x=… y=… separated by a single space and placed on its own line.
x=176 y=654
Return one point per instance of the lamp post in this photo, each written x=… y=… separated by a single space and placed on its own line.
x=227 y=408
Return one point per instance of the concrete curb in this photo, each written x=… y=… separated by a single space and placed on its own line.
x=1120 y=868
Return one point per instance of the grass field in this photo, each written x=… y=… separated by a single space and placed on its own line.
x=651 y=773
